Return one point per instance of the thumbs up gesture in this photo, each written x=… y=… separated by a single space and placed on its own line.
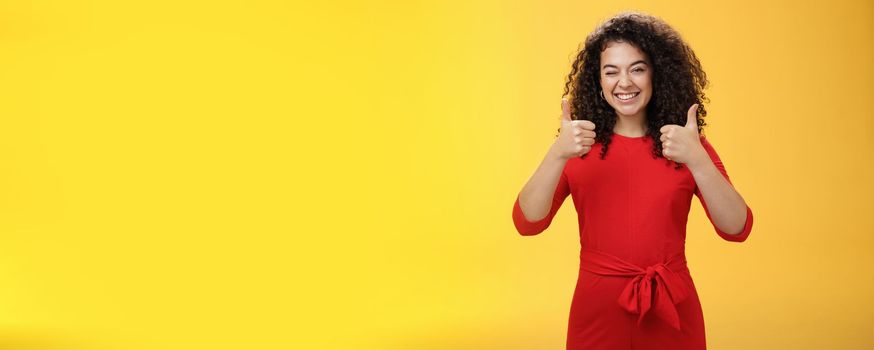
x=576 y=137
x=682 y=144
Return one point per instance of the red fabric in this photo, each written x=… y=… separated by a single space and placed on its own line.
x=634 y=289
x=655 y=286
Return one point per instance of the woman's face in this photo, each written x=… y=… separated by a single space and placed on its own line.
x=626 y=79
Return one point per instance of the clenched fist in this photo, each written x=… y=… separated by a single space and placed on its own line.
x=576 y=137
x=682 y=144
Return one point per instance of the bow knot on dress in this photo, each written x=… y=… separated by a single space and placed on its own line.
x=656 y=288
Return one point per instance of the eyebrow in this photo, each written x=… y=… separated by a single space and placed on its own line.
x=635 y=62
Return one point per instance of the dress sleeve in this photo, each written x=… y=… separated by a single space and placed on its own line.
x=530 y=228
x=748 y=226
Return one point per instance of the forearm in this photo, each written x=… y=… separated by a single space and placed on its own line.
x=536 y=196
x=726 y=207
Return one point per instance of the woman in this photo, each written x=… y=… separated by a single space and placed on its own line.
x=634 y=100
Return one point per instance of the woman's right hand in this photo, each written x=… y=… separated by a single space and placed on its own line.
x=576 y=137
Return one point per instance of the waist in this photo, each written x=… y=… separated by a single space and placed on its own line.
x=606 y=264
x=657 y=287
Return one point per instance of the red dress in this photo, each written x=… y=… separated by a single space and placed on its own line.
x=634 y=290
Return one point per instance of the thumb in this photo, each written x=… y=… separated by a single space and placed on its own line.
x=565 y=111
x=692 y=118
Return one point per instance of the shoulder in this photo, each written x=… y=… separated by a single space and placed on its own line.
x=708 y=147
x=705 y=142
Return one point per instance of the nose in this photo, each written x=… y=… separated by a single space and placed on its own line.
x=625 y=81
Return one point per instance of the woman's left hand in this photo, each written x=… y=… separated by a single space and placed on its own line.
x=682 y=144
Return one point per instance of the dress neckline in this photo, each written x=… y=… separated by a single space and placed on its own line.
x=620 y=136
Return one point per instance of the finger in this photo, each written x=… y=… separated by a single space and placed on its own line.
x=666 y=128
x=585 y=124
x=692 y=117
x=663 y=138
x=587 y=133
x=565 y=111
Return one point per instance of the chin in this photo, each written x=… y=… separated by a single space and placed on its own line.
x=629 y=111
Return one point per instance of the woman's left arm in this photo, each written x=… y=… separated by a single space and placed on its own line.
x=726 y=208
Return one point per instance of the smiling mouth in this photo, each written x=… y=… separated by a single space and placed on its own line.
x=626 y=97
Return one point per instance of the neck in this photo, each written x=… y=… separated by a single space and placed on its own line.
x=633 y=126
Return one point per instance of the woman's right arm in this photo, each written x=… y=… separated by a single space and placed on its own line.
x=536 y=197
x=542 y=195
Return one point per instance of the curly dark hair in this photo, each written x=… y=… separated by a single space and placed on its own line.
x=678 y=81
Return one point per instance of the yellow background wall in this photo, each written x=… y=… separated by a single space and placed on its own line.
x=274 y=175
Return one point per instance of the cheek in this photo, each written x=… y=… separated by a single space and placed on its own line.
x=646 y=86
x=645 y=82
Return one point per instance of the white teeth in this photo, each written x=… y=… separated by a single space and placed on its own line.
x=626 y=96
